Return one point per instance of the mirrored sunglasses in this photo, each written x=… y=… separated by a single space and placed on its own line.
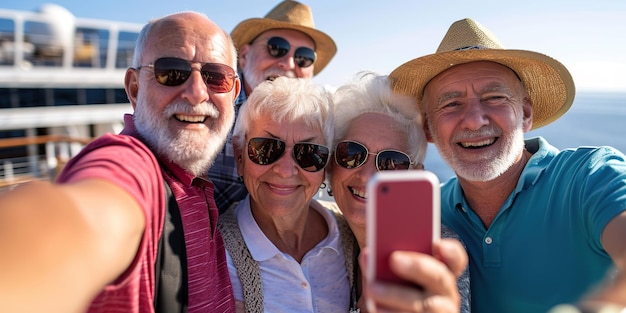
x=278 y=47
x=311 y=157
x=218 y=77
x=351 y=154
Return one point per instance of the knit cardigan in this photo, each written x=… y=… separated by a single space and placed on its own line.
x=248 y=269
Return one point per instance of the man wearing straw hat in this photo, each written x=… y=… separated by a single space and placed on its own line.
x=542 y=226
x=283 y=43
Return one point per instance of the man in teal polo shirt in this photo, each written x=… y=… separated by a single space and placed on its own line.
x=542 y=226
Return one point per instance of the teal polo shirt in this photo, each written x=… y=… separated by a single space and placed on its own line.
x=543 y=247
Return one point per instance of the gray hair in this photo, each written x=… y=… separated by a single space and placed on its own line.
x=287 y=99
x=144 y=34
x=371 y=93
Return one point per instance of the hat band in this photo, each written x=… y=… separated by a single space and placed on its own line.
x=471 y=48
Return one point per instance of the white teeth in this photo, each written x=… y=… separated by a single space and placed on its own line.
x=485 y=142
x=358 y=193
x=191 y=118
x=278 y=188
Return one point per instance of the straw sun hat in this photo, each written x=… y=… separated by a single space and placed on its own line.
x=291 y=15
x=547 y=81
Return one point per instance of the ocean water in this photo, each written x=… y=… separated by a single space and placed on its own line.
x=595 y=119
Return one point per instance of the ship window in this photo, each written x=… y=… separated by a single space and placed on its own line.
x=48 y=50
x=125 y=48
x=31 y=97
x=95 y=96
x=121 y=96
x=66 y=97
x=5 y=98
x=90 y=47
x=7 y=42
x=38 y=97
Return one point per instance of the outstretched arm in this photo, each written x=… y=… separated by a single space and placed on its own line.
x=613 y=240
x=62 y=243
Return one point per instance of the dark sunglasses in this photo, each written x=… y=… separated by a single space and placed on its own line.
x=279 y=47
x=218 y=77
x=351 y=154
x=311 y=157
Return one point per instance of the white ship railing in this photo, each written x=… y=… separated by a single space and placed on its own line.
x=58 y=150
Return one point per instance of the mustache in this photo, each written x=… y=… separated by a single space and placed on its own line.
x=487 y=131
x=181 y=107
x=274 y=73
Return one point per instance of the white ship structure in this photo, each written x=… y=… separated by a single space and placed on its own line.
x=61 y=84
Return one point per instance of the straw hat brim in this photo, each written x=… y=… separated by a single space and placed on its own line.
x=249 y=29
x=549 y=84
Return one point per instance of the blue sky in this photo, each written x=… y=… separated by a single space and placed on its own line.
x=587 y=36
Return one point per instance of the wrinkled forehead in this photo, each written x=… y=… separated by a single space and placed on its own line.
x=470 y=69
x=484 y=71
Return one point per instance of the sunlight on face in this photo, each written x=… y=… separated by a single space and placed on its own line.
x=349 y=185
x=281 y=188
x=260 y=66
x=194 y=150
x=188 y=123
x=476 y=118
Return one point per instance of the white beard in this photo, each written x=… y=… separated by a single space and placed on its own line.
x=490 y=166
x=193 y=152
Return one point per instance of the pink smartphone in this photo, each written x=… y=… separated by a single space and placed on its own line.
x=403 y=213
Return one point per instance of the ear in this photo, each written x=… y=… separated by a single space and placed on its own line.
x=131 y=84
x=429 y=135
x=243 y=55
x=236 y=89
x=527 y=109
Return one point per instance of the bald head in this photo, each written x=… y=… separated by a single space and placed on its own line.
x=174 y=31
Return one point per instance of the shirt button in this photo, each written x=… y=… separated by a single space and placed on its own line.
x=304 y=285
x=488 y=240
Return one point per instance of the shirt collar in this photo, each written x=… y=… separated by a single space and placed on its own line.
x=542 y=155
x=261 y=248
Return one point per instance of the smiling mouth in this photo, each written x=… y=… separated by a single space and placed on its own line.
x=359 y=193
x=271 y=78
x=282 y=188
x=478 y=144
x=190 y=118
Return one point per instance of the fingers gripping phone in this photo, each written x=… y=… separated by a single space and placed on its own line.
x=403 y=213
